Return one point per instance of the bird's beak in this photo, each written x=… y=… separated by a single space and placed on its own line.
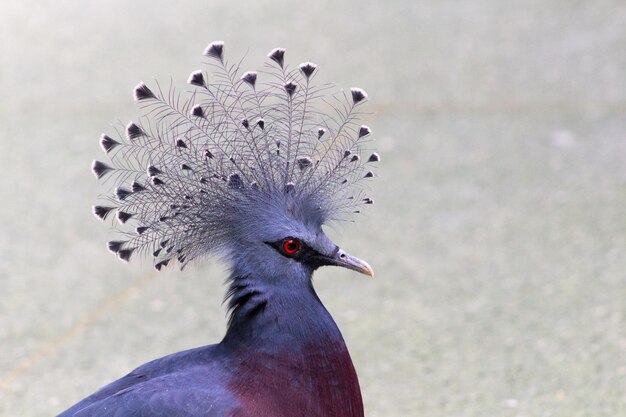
x=344 y=259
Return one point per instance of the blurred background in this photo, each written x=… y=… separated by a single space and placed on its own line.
x=498 y=234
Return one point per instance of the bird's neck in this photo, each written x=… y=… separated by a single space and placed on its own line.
x=303 y=355
x=278 y=317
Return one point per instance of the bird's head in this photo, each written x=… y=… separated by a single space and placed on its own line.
x=250 y=170
x=280 y=236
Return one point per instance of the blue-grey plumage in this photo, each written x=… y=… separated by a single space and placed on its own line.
x=248 y=168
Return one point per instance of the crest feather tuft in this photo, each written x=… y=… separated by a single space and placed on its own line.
x=236 y=149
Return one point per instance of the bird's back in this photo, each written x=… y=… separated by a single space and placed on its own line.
x=189 y=383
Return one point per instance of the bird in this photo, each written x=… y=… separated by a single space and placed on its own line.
x=245 y=167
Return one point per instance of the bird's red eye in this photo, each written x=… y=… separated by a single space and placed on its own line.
x=291 y=246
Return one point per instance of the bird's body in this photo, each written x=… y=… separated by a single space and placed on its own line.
x=287 y=359
x=205 y=180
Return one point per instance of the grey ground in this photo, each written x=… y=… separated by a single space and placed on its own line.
x=498 y=234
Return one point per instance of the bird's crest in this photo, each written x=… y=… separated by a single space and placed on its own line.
x=196 y=166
